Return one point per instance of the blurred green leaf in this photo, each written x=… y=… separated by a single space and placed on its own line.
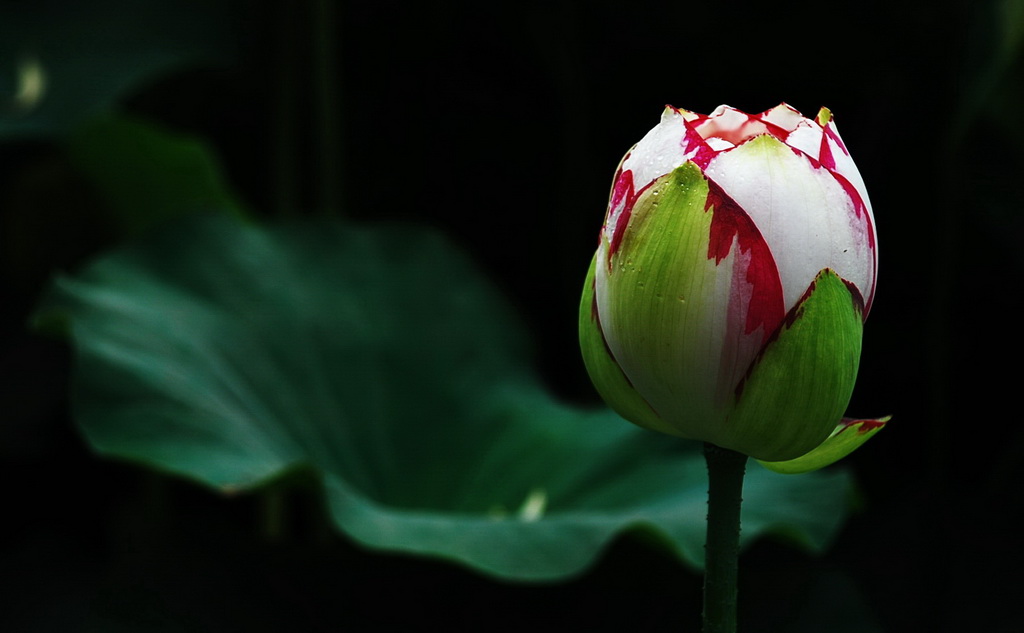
x=228 y=353
x=62 y=62
x=148 y=175
x=993 y=72
x=1011 y=24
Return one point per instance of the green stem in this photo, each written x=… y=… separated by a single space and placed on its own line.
x=722 y=548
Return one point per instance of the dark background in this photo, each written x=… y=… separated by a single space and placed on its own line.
x=501 y=123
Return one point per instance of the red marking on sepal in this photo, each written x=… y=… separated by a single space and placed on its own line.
x=798 y=309
x=863 y=426
x=855 y=294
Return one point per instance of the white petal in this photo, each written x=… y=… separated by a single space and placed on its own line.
x=803 y=212
x=660 y=151
x=845 y=165
x=731 y=125
x=806 y=137
x=719 y=144
x=785 y=116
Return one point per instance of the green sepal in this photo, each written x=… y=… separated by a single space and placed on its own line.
x=789 y=403
x=659 y=311
x=846 y=438
x=605 y=373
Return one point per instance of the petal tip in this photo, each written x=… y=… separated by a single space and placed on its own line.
x=824 y=116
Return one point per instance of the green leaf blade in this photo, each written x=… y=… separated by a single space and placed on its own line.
x=229 y=353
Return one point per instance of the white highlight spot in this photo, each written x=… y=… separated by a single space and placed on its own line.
x=31 y=86
x=533 y=506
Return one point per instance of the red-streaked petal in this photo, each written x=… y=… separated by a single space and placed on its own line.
x=689 y=299
x=755 y=303
x=808 y=218
x=670 y=144
x=785 y=118
x=625 y=211
x=734 y=127
x=757 y=289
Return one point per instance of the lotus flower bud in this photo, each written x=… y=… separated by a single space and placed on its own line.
x=734 y=271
